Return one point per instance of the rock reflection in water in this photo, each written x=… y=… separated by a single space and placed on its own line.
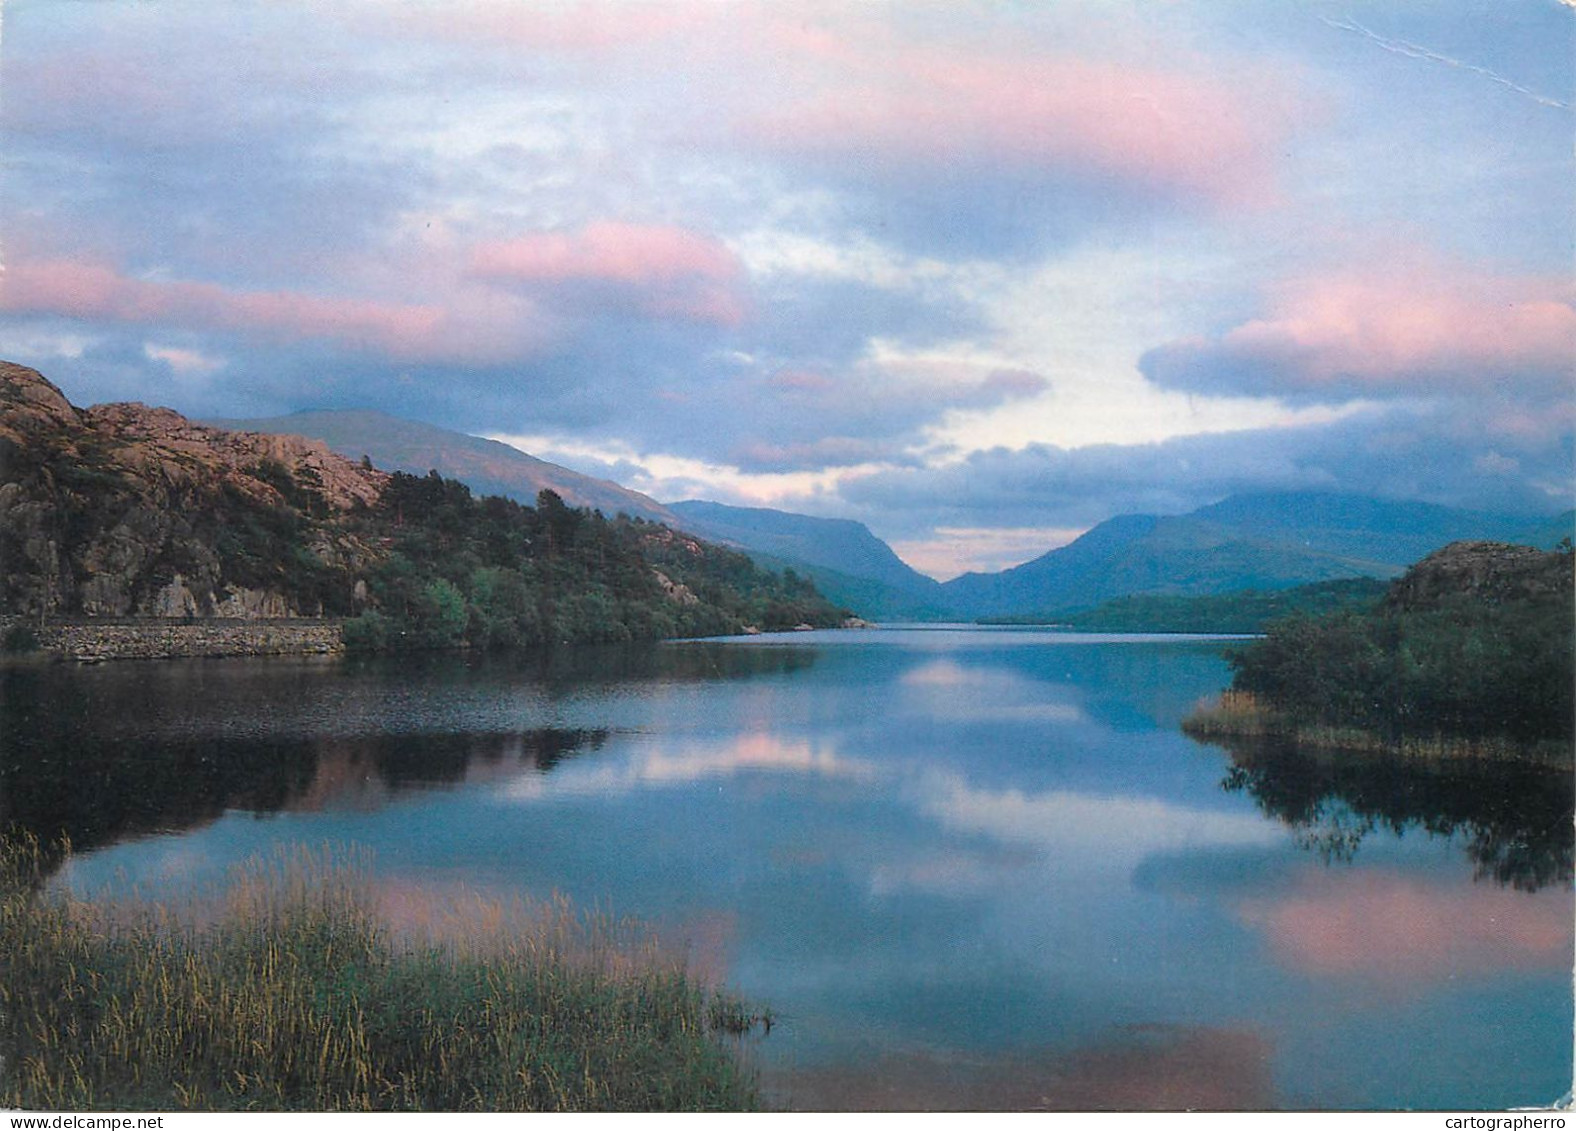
x=1514 y=821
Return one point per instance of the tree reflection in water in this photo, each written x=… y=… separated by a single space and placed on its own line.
x=104 y=754
x=1514 y=821
x=92 y=796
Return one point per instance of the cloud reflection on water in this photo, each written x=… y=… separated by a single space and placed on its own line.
x=1129 y=1068
x=976 y=694
x=653 y=767
x=1399 y=929
x=1067 y=823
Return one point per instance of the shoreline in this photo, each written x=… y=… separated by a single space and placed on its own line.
x=93 y=642
x=87 y=641
x=1242 y=716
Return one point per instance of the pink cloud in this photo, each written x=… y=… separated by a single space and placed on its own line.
x=608 y=252
x=840 y=79
x=487 y=330
x=673 y=272
x=1160 y=129
x=706 y=303
x=1393 y=328
x=1408 y=326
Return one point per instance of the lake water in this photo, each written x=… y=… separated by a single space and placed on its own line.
x=966 y=868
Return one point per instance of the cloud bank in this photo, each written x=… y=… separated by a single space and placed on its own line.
x=940 y=268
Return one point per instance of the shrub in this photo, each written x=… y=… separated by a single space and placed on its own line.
x=370 y=631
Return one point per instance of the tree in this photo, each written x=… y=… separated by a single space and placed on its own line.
x=441 y=614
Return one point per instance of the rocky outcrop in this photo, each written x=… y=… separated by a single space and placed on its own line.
x=1487 y=573
x=676 y=592
x=164 y=445
x=32 y=404
x=125 y=510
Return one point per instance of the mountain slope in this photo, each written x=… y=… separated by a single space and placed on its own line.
x=488 y=467
x=835 y=543
x=1367 y=528
x=874 y=600
x=847 y=562
x=1262 y=541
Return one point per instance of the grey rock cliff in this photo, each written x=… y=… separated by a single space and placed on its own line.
x=124 y=510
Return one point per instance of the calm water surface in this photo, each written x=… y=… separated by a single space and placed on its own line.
x=967 y=868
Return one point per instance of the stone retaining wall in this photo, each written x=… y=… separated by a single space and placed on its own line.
x=146 y=640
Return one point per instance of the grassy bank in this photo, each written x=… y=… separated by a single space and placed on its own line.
x=290 y=991
x=1242 y=714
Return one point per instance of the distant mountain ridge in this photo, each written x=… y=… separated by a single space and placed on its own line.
x=1365 y=527
x=488 y=467
x=1261 y=541
x=847 y=562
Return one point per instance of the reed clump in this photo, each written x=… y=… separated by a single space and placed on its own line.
x=290 y=992
x=1236 y=714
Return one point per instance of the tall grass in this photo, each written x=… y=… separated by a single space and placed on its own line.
x=291 y=992
x=1236 y=714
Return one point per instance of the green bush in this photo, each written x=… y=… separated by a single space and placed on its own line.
x=370 y=631
x=440 y=614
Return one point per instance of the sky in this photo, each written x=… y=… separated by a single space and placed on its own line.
x=979 y=275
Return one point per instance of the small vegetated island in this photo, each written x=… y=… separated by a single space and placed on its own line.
x=1469 y=655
